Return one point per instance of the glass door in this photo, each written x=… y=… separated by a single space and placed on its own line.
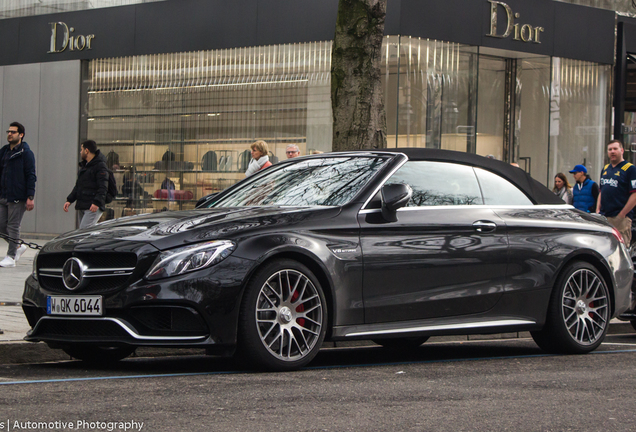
x=513 y=112
x=491 y=112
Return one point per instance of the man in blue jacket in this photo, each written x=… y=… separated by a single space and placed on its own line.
x=17 y=188
x=585 y=190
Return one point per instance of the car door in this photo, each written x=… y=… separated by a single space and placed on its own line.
x=445 y=256
x=533 y=253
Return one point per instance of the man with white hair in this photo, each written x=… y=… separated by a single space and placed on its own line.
x=292 y=151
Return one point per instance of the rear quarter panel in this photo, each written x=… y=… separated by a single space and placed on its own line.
x=544 y=239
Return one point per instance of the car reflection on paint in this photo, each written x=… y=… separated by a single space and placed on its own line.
x=393 y=246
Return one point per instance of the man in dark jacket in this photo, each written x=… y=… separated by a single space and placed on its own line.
x=91 y=186
x=17 y=188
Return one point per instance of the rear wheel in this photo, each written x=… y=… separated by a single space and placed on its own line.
x=579 y=312
x=401 y=343
x=283 y=317
x=99 y=355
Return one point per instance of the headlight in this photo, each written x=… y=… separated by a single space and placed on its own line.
x=35 y=266
x=190 y=258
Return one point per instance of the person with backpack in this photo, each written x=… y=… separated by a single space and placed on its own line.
x=92 y=186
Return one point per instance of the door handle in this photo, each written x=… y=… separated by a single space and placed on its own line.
x=484 y=226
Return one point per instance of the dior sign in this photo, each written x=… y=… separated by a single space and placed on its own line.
x=519 y=32
x=68 y=40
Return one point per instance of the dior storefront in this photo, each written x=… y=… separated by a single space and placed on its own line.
x=174 y=91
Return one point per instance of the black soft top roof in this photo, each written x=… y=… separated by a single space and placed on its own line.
x=535 y=190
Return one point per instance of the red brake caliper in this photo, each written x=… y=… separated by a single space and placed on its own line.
x=299 y=308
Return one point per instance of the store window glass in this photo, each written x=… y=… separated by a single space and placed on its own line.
x=177 y=127
x=436 y=95
x=626 y=6
x=579 y=116
x=18 y=8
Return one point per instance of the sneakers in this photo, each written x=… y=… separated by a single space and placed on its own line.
x=7 y=262
x=18 y=253
x=10 y=262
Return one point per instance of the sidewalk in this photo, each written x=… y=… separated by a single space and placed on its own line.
x=13 y=349
x=12 y=320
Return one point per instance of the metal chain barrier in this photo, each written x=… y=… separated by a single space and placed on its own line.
x=21 y=242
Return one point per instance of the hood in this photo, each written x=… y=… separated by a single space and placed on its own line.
x=171 y=229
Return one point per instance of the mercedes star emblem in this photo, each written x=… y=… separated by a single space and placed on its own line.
x=73 y=273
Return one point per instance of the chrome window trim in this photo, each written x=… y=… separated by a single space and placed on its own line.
x=459 y=326
x=122 y=325
x=478 y=206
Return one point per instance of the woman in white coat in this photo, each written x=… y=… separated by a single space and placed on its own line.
x=259 y=160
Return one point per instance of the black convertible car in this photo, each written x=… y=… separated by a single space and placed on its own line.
x=393 y=246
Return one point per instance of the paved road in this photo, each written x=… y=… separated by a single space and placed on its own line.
x=494 y=385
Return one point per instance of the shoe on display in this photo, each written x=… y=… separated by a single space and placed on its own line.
x=7 y=262
x=18 y=253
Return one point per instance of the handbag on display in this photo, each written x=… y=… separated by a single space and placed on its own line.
x=209 y=161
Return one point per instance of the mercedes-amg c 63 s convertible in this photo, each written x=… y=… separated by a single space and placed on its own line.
x=392 y=246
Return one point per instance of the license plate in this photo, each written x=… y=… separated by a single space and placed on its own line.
x=66 y=305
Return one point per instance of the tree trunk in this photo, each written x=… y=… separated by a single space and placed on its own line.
x=359 y=119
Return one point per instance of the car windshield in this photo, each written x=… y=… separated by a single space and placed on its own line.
x=328 y=181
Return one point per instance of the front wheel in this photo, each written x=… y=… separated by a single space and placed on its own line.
x=99 y=355
x=578 y=314
x=283 y=317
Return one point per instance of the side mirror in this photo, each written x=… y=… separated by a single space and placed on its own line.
x=394 y=196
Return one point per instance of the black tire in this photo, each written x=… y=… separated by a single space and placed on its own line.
x=578 y=314
x=283 y=317
x=633 y=323
x=401 y=343
x=99 y=355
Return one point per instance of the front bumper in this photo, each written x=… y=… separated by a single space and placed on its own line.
x=198 y=309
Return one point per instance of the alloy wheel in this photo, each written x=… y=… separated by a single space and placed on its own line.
x=289 y=315
x=585 y=307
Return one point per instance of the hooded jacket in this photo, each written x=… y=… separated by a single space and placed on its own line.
x=91 y=185
x=18 y=173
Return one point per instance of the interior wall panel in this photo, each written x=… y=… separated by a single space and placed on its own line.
x=58 y=147
x=45 y=99
x=21 y=102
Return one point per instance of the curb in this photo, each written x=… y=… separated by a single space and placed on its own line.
x=22 y=352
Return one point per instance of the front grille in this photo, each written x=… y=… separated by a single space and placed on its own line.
x=102 y=285
x=80 y=329
x=93 y=260
x=168 y=319
x=105 y=272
